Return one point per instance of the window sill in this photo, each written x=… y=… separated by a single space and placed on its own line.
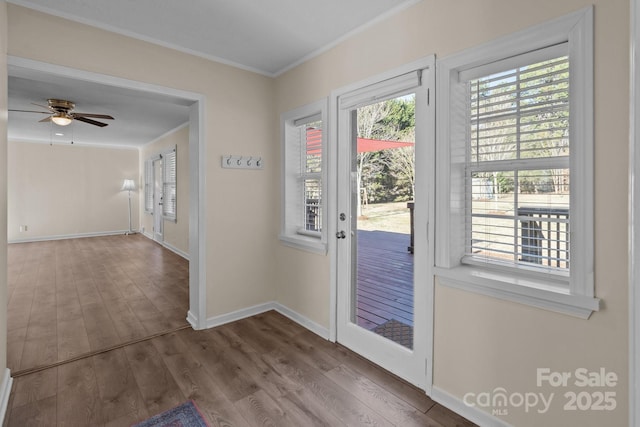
x=305 y=243
x=544 y=294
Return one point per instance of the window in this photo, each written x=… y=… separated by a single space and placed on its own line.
x=515 y=167
x=303 y=134
x=168 y=180
x=148 y=186
x=517 y=164
x=169 y=188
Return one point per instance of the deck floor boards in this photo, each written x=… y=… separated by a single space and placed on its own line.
x=385 y=278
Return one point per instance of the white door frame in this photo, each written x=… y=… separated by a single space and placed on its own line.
x=197 y=314
x=634 y=219
x=424 y=228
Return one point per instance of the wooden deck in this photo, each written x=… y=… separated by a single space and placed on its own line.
x=385 y=278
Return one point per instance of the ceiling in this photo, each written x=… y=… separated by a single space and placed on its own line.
x=269 y=40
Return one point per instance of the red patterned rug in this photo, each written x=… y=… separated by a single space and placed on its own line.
x=185 y=415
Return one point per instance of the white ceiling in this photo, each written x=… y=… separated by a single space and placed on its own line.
x=265 y=36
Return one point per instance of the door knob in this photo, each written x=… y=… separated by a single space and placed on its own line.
x=341 y=234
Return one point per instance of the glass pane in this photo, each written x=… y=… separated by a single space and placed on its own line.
x=521 y=113
x=313 y=211
x=521 y=217
x=312 y=159
x=383 y=200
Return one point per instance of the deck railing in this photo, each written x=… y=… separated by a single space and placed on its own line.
x=544 y=236
x=312 y=215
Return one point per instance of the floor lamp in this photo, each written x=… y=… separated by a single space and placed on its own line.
x=129 y=185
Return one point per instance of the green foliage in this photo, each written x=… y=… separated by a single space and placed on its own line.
x=505 y=183
x=387 y=175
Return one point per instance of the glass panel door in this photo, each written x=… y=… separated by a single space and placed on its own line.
x=383 y=130
x=383 y=200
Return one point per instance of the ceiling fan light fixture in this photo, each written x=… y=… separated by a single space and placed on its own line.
x=61 y=119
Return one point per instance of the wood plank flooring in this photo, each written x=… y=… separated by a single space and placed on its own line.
x=67 y=298
x=385 y=278
x=262 y=371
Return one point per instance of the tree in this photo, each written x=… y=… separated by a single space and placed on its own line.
x=387 y=175
x=401 y=163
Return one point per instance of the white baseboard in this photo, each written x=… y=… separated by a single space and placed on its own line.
x=167 y=245
x=302 y=321
x=5 y=392
x=474 y=415
x=176 y=250
x=68 y=236
x=262 y=308
x=243 y=313
x=193 y=320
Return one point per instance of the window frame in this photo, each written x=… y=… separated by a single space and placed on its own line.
x=170 y=214
x=515 y=163
x=293 y=232
x=574 y=294
x=149 y=183
x=148 y=186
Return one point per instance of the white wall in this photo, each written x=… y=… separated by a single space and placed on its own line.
x=482 y=343
x=176 y=233
x=69 y=190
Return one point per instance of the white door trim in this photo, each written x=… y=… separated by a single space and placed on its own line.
x=634 y=219
x=425 y=228
x=197 y=315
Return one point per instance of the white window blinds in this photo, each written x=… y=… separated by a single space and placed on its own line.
x=392 y=88
x=310 y=175
x=148 y=186
x=169 y=184
x=517 y=167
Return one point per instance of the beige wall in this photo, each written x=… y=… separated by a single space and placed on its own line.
x=240 y=205
x=3 y=186
x=482 y=343
x=176 y=234
x=69 y=190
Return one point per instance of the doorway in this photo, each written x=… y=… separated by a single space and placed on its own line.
x=382 y=256
x=197 y=210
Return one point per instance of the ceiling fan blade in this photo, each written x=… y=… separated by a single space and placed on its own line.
x=31 y=111
x=91 y=122
x=46 y=119
x=43 y=106
x=95 y=116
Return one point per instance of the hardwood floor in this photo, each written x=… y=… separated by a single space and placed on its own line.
x=97 y=336
x=264 y=370
x=69 y=298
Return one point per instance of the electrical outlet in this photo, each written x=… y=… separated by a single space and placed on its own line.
x=23 y=228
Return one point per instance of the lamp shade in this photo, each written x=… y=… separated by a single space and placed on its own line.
x=128 y=185
x=61 y=119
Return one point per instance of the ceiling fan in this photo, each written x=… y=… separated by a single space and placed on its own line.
x=61 y=113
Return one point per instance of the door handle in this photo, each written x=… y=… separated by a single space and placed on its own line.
x=341 y=234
